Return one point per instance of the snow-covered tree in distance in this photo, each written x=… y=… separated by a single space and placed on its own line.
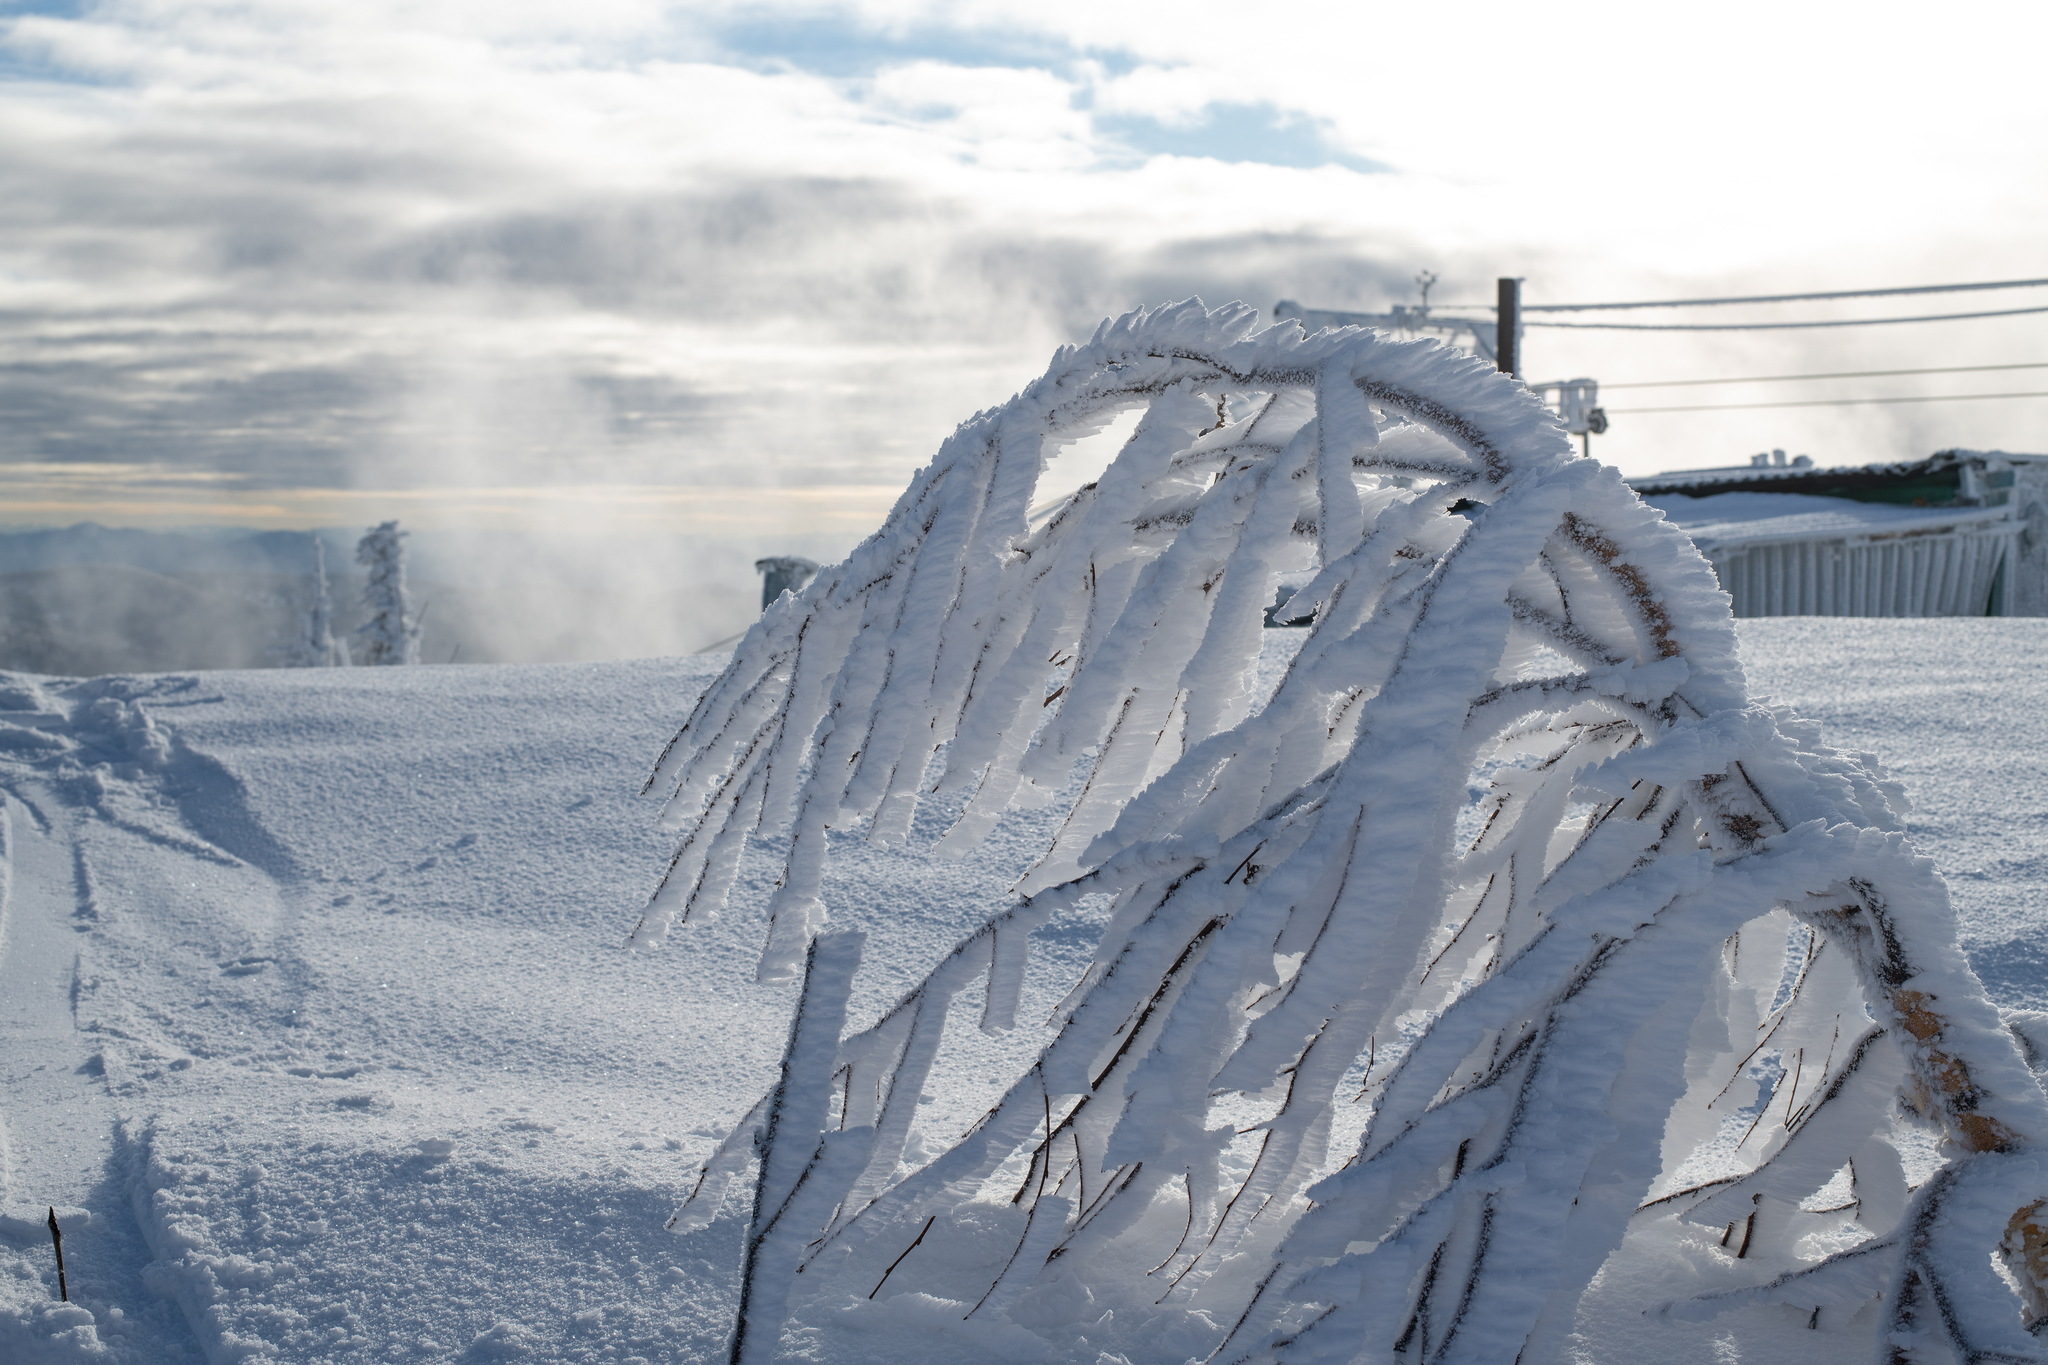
x=392 y=634
x=1675 y=976
x=316 y=646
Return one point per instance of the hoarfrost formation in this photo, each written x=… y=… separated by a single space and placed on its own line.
x=1551 y=1012
x=392 y=634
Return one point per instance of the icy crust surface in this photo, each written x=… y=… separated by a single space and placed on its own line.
x=1953 y=707
x=291 y=1210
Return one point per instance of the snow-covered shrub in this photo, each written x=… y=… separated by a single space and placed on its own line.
x=1586 y=957
x=392 y=634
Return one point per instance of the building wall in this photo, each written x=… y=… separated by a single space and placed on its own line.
x=2030 y=571
x=1950 y=574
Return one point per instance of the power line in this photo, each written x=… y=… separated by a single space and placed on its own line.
x=1785 y=298
x=1842 y=374
x=1776 y=326
x=1832 y=402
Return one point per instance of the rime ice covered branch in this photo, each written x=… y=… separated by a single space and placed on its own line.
x=1654 y=995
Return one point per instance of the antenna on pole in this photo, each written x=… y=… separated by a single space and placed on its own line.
x=1578 y=407
x=1403 y=318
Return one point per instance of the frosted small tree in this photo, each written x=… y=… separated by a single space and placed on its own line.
x=1677 y=974
x=392 y=634
x=316 y=646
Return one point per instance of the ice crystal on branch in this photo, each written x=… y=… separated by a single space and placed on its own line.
x=1668 y=986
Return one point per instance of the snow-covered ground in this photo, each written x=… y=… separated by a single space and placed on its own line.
x=317 y=1026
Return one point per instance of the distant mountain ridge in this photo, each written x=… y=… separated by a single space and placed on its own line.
x=89 y=599
x=289 y=552
x=81 y=620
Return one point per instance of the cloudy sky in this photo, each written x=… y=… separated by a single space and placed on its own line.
x=735 y=269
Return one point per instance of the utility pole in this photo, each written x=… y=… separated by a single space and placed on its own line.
x=1507 y=327
x=1578 y=400
x=1499 y=341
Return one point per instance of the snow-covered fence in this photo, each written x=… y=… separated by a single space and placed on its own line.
x=1797 y=540
x=1555 y=1003
x=1956 y=566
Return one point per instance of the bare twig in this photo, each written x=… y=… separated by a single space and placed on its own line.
x=57 y=1245
x=899 y=1260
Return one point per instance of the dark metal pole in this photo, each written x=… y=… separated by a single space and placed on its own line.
x=1507 y=327
x=57 y=1242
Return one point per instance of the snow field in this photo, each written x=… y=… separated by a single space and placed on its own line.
x=343 y=1059
x=354 y=1013
x=1956 y=709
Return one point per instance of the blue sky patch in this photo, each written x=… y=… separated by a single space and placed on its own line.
x=837 y=46
x=17 y=65
x=1262 y=133
x=54 y=9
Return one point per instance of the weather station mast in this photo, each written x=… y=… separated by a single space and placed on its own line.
x=1497 y=339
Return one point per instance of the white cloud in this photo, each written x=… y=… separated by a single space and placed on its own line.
x=1173 y=95
x=1002 y=119
x=327 y=246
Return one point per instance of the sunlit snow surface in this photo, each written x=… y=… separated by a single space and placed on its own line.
x=316 y=1025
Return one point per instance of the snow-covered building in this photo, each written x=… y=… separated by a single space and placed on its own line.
x=1960 y=533
x=783 y=573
